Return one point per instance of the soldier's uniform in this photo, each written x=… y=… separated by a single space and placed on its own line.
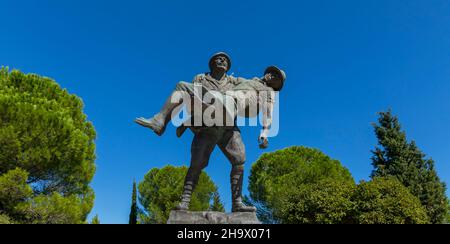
x=204 y=88
x=227 y=138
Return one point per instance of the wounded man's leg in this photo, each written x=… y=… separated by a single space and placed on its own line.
x=173 y=103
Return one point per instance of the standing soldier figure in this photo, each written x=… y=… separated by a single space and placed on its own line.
x=226 y=137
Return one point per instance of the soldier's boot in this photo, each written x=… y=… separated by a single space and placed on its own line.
x=185 y=198
x=236 y=178
x=159 y=122
x=189 y=186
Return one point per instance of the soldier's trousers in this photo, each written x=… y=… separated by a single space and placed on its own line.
x=228 y=139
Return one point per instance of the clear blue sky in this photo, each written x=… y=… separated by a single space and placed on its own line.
x=345 y=61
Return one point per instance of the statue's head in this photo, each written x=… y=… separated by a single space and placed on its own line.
x=220 y=61
x=274 y=77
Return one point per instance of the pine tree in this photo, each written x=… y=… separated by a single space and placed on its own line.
x=397 y=157
x=47 y=140
x=133 y=212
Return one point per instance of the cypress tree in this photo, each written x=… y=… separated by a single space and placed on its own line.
x=133 y=212
x=397 y=157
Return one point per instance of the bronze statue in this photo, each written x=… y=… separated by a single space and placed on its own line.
x=226 y=136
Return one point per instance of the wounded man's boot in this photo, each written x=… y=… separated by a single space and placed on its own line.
x=156 y=124
x=159 y=122
x=237 y=175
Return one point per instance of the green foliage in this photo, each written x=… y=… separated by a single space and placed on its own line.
x=134 y=210
x=324 y=202
x=217 y=203
x=275 y=176
x=4 y=220
x=447 y=219
x=275 y=172
x=53 y=209
x=300 y=185
x=161 y=189
x=17 y=200
x=402 y=159
x=95 y=220
x=14 y=190
x=44 y=132
x=387 y=201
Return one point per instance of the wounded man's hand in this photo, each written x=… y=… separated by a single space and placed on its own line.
x=263 y=142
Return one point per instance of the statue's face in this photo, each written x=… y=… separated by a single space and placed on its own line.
x=272 y=79
x=220 y=62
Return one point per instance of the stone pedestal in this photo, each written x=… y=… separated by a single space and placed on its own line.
x=208 y=217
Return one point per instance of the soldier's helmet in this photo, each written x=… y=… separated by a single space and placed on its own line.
x=280 y=73
x=223 y=54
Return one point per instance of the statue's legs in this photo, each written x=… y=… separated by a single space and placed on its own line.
x=231 y=144
x=159 y=122
x=233 y=147
x=202 y=146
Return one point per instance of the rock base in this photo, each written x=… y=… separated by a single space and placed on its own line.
x=209 y=217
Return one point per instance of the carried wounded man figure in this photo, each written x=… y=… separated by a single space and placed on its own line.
x=246 y=98
x=214 y=100
x=257 y=96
